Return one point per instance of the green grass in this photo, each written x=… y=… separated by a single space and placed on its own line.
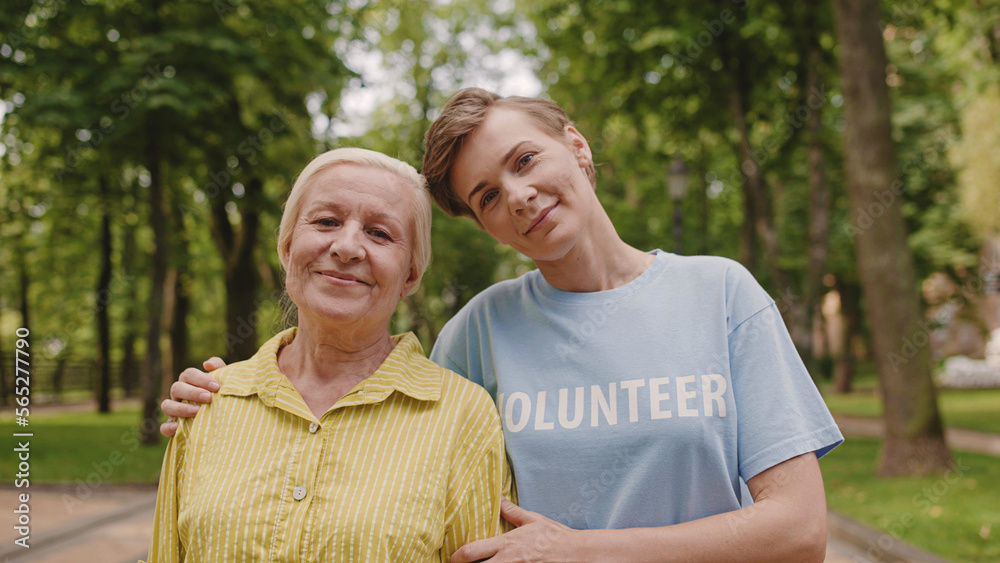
x=955 y=515
x=970 y=409
x=83 y=446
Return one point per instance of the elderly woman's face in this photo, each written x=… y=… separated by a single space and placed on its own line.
x=350 y=253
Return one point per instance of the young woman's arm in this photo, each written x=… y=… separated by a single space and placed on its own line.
x=787 y=522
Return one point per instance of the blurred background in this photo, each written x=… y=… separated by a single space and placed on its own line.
x=146 y=149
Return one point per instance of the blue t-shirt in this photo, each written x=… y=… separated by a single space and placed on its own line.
x=645 y=405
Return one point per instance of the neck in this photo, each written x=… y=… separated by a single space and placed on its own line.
x=324 y=364
x=600 y=260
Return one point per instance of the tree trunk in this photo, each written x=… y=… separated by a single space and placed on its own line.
x=819 y=206
x=748 y=238
x=3 y=372
x=24 y=284
x=730 y=55
x=103 y=303
x=180 y=301
x=914 y=442
x=701 y=189
x=846 y=363
x=152 y=373
x=242 y=278
x=57 y=379
x=758 y=218
x=129 y=365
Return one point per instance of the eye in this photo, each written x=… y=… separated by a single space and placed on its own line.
x=525 y=160
x=380 y=234
x=326 y=222
x=487 y=198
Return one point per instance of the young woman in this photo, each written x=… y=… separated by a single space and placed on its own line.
x=653 y=405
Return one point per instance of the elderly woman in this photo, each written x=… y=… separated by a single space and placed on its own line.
x=337 y=441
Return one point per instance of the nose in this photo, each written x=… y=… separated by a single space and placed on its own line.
x=520 y=195
x=348 y=244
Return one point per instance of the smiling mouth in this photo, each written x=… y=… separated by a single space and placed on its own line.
x=542 y=219
x=339 y=277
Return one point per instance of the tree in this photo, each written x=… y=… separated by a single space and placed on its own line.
x=102 y=296
x=914 y=441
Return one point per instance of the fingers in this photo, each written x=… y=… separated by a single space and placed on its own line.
x=195 y=380
x=476 y=551
x=213 y=363
x=516 y=515
x=178 y=409
x=169 y=428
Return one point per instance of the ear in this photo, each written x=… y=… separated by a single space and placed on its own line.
x=580 y=146
x=412 y=281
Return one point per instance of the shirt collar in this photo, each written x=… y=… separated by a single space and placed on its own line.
x=406 y=370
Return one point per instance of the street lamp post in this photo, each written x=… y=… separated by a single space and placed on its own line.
x=677 y=185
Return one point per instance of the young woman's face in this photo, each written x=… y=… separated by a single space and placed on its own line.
x=350 y=257
x=528 y=189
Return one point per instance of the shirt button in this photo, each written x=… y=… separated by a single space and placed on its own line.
x=299 y=493
x=313 y=428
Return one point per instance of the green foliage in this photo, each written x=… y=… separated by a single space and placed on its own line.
x=954 y=515
x=978 y=157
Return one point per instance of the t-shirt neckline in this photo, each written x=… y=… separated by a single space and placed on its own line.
x=547 y=290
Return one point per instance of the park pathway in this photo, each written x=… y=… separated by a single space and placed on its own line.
x=965 y=440
x=114 y=524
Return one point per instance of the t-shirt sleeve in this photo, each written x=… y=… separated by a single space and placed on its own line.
x=440 y=354
x=452 y=348
x=780 y=413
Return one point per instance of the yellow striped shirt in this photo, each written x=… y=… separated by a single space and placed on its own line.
x=408 y=466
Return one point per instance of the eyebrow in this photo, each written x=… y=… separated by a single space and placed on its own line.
x=326 y=204
x=506 y=158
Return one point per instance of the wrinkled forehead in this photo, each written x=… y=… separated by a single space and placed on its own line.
x=351 y=176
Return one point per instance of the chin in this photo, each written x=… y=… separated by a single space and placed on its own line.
x=554 y=249
x=335 y=311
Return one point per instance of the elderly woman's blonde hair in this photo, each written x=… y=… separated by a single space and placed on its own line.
x=421 y=252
